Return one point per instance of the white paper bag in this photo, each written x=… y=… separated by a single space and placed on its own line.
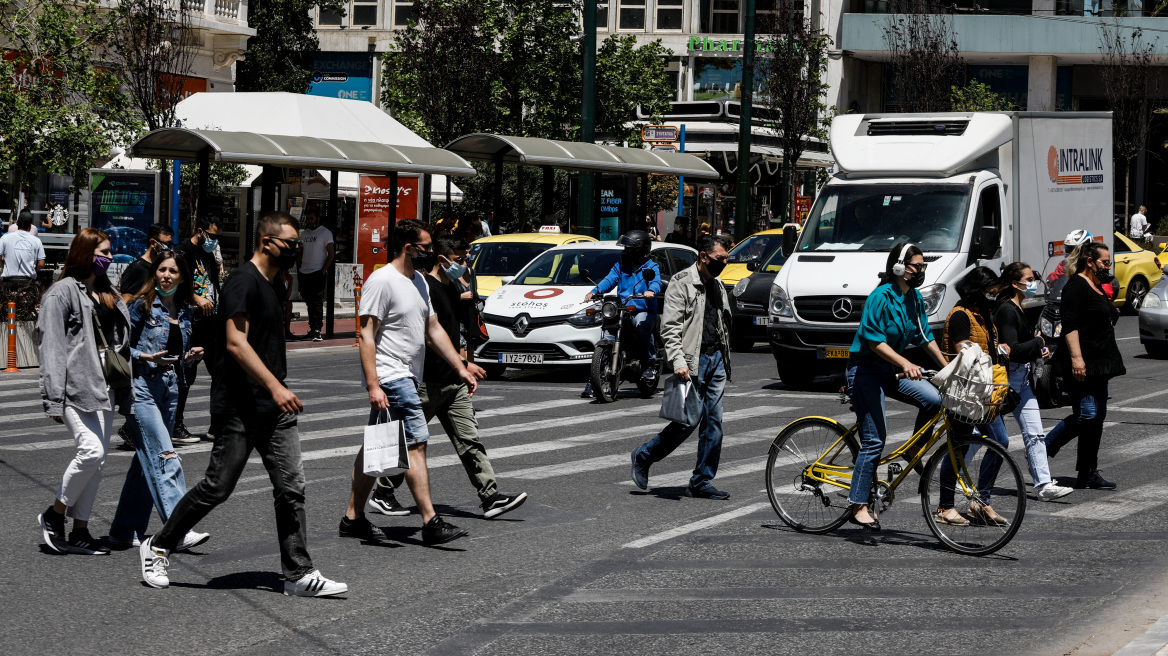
x=385 y=448
x=673 y=401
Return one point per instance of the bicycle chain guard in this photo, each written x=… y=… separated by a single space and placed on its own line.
x=882 y=497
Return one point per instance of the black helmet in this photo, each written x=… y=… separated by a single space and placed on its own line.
x=636 y=242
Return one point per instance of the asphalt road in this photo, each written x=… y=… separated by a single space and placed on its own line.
x=590 y=564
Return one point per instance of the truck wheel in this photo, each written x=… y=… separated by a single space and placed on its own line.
x=741 y=344
x=796 y=375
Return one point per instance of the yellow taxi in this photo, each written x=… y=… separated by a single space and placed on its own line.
x=753 y=249
x=1137 y=270
x=502 y=256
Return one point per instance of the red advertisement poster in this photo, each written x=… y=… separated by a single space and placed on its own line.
x=802 y=208
x=373 y=230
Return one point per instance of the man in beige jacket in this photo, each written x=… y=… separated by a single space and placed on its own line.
x=694 y=327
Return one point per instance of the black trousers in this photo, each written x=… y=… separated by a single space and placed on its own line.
x=275 y=437
x=312 y=291
x=202 y=334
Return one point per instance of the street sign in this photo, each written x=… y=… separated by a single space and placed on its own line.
x=659 y=133
x=666 y=147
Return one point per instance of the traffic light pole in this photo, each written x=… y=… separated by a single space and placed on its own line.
x=742 y=211
x=586 y=223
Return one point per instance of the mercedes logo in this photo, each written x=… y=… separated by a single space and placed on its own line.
x=521 y=325
x=842 y=308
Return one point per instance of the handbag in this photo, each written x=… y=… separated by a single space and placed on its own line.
x=673 y=401
x=115 y=367
x=385 y=447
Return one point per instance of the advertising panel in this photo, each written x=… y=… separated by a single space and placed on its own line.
x=373 y=232
x=342 y=75
x=614 y=206
x=124 y=203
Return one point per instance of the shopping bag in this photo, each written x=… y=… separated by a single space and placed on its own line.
x=385 y=448
x=673 y=401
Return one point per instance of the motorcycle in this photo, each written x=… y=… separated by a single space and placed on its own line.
x=1047 y=385
x=613 y=361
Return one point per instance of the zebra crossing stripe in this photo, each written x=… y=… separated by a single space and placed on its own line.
x=696 y=526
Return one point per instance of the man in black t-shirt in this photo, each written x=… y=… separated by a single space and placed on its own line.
x=199 y=252
x=254 y=410
x=444 y=394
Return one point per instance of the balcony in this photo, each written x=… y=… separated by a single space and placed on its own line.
x=215 y=16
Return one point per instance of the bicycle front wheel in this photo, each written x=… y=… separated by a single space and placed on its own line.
x=798 y=494
x=982 y=483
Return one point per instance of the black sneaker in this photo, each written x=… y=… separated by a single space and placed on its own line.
x=53 y=530
x=183 y=436
x=1094 y=481
x=316 y=336
x=437 y=531
x=502 y=503
x=385 y=503
x=360 y=528
x=587 y=393
x=707 y=492
x=127 y=443
x=81 y=542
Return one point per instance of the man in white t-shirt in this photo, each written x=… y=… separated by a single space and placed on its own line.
x=21 y=254
x=316 y=256
x=397 y=323
x=1139 y=224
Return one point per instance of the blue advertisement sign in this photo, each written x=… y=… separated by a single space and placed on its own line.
x=614 y=206
x=346 y=75
x=123 y=203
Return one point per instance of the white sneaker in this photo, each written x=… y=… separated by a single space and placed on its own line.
x=314 y=584
x=193 y=540
x=154 y=564
x=1050 y=492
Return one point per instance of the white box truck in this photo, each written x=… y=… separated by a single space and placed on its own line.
x=969 y=189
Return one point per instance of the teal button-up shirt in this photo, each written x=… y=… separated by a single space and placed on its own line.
x=896 y=319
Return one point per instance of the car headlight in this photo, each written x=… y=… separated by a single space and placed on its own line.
x=932 y=296
x=1152 y=301
x=780 y=303
x=586 y=317
x=740 y=287
x=1050 y=328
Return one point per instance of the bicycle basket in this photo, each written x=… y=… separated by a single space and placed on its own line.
x=973 y=402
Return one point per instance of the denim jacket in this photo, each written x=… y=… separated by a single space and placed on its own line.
x=152 y=331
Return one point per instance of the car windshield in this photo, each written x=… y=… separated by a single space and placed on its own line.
x=754 y=248
x=563 y=267
x=503 y=258
x=876 y=217
x=775 y=261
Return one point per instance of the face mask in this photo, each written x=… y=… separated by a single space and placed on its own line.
x=1104 y=275
x=163 y=293
x=424 y=260
x=287 y=257
x=990 y=298
x=101 y=264
x=714 y=267
x=1030 y=290
x=455 y=270
x=209 y=244
x=916 y=279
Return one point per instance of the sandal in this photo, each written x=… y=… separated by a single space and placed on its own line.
x=956 y=519
x=986 y=515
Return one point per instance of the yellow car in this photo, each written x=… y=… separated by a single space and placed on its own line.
x=1136 y=269
x=501 y=256
x=754 y=249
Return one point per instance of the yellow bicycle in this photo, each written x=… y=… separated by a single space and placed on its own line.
x=809 y=473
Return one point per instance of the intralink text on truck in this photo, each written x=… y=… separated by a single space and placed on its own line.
x=969 y=189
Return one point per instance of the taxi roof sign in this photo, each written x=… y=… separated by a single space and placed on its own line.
x=659 y=133
x=549 y=230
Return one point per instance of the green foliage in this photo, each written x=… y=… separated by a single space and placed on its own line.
x=628 y=76
x=64 y=111
x=1162 y=228
x=279 y=56
x=662 y=194
x=539 y=68
x=977 y=97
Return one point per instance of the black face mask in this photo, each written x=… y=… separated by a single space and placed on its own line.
x=631 y=260
x=1104 y=275
x=424 y=260
x=714 y=267
x=916 y=279
x=287 y=257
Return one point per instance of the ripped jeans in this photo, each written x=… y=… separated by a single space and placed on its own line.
x=155 y=479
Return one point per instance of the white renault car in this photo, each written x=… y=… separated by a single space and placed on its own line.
x=539 y=317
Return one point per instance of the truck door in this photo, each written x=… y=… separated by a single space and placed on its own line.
x=985 y=247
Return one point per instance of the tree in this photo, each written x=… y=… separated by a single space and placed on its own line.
x=792 y=77
x=662 y=194
x=153 y=46
x=977 y=97
x=1128 y=83
x=540 y=68
x=62 y=110
x=628 y=76
x=279 y=56
x=925 y=61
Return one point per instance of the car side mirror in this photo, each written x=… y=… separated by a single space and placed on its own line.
x=648 y=275
x=508 y=280
x=790 y=235
x=989 y=244
x=752 y=266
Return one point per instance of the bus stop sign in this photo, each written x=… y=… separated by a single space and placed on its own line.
x=659 y=133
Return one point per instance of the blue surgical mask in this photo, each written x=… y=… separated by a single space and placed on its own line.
x=455 y=271
x=1031 y=289
x=209 y=244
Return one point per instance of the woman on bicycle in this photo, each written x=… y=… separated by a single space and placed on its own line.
x=970 y=322
x=1089 y=359
x=1018 y=283
x=894 y=319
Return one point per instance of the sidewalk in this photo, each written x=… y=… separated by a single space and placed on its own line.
x=345 y=334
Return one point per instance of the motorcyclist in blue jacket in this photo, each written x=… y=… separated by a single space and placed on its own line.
x=627 y=277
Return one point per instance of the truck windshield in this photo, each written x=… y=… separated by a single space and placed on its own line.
x=876 y=217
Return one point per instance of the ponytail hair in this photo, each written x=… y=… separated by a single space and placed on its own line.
x=1010 y=275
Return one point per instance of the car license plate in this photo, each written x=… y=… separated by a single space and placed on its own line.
x=521 y=358
x=762 y=321
x=836 y=353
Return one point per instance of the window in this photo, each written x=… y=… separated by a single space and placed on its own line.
x=724 y=17
x=988 y=215
x=403 y=12
x=328 y=18
x=358 y=13
x=364 y=12
x=682 y=259
x=661 y=258
x=602 y=16
x=632 y=15
x=669 y=14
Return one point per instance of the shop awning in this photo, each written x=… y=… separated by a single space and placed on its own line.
x=576 y=156
x=298 y=152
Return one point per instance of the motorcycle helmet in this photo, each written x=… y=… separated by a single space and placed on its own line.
x=635 y=242
x=1076 y=238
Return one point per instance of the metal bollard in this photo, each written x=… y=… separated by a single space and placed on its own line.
x=357 y=317
x=12 y=340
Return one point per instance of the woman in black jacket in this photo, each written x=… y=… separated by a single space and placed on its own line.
x=1088 y=360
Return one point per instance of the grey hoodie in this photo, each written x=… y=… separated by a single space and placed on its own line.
x=71 y=372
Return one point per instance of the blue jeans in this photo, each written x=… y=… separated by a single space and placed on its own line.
x=405 y=405
x=643 y=324
x=870 y=381
x=704 y=407
x=987 y=473
x=155 y=479
x=1089 y=404
x=1030 y=421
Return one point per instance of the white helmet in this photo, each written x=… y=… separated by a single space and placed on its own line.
x=1076 y=238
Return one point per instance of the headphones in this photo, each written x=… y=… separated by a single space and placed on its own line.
x=898 y=268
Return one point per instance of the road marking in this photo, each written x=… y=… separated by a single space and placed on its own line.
x=1119 y=505
x=1152 y=642
x=1156 y=411
x=1141 y=398
x=696 y=526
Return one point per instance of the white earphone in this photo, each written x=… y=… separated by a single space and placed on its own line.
x=898 y=268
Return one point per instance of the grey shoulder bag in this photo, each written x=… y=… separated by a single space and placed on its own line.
x=113 y=365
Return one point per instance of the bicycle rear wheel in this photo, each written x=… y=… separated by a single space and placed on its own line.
x=962 y=473
x=807 y=505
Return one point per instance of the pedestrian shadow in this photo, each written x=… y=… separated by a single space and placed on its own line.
x=398 y=536
x=671 y=493
x=451 y=511
x=887 y=537
x=263 y=581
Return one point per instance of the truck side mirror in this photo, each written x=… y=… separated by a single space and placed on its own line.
x=989 y=244
x=790 y=234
